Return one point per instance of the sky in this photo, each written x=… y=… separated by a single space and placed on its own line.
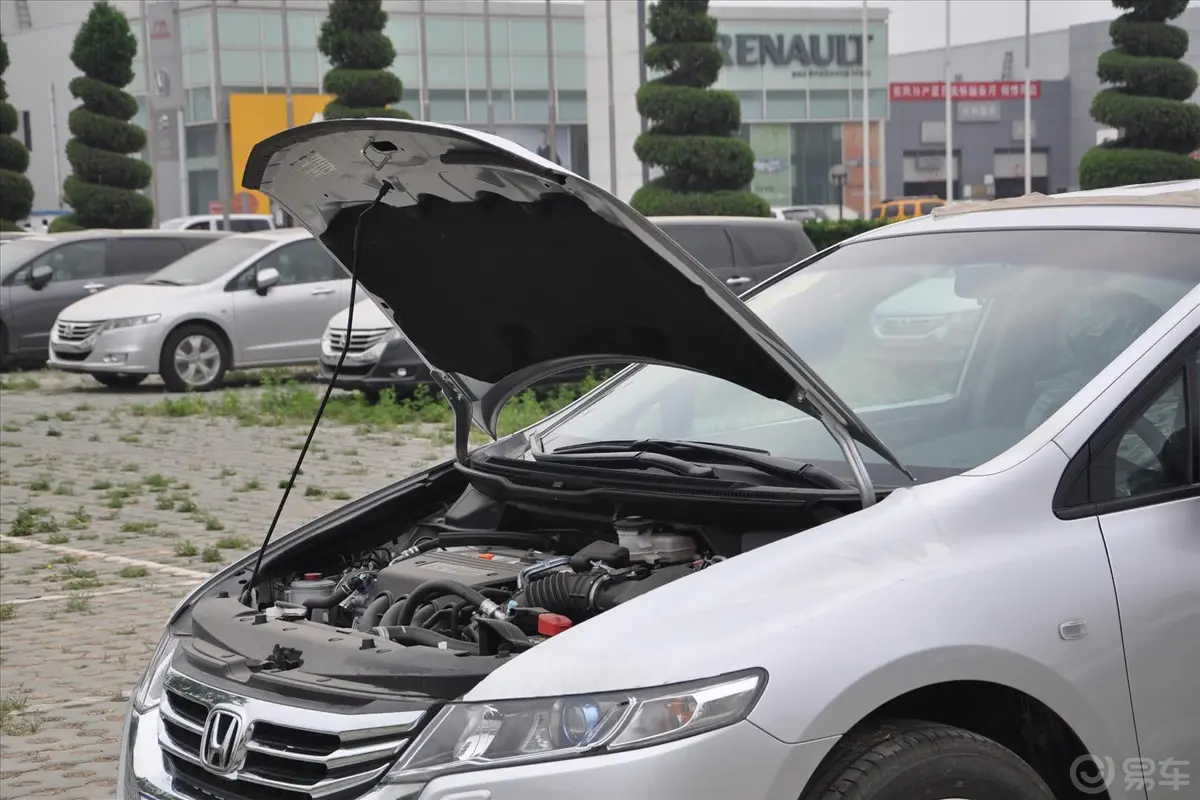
x=921 y=24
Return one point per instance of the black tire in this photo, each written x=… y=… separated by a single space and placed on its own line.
x=119 y=380
x=903 y=759
x=175 y=381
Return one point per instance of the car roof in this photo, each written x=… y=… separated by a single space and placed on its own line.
x=1172 y=204
x=277 y=234
x=660 y=221
x=114 y=233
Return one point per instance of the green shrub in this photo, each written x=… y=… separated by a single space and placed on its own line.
x=103 y=190
x=16 y=192
x=828 y=232
x=353 y=40
x=1149 y=102
x=706 y=168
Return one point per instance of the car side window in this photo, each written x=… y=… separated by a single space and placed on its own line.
x=71 y=262
x=203 y=225
x=1153 y=452
x=710 y=246
x=131 y=256
x=910 y=209
x=248 y=225
x=300 y=262
x=766 y=244
x=892 y=211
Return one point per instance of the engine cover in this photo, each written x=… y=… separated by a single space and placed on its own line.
x=465 y=566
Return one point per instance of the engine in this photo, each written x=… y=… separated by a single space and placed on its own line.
x=489 y=593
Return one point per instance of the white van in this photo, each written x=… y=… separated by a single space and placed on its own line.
x=238 y=223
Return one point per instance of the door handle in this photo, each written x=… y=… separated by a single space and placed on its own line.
x=93 y=287
x=322 y=290
x=736 y=281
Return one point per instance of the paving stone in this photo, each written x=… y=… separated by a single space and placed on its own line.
x=118 y=512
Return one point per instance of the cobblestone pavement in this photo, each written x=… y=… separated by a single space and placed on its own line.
x=106 y=520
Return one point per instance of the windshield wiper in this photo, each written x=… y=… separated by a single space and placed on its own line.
x=161 y=282
x=685 y=451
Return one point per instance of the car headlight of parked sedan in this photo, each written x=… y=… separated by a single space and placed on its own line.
x=502 y=733
x=149 y=691
x=130 y=322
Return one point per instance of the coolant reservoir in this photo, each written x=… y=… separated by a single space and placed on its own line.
x=311 y=585
x=645 y=545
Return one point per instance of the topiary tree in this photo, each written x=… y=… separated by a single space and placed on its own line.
x=103 y=191
x=16 y=192
x=352 y=39
x=706 y=169
x=1150 y=102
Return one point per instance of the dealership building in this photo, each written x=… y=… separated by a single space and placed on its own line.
x=561 y=78
x=798 y=72
x=989 y=108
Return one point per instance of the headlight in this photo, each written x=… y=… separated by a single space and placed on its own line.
x=472 y=736
x=129 y=322
x=149 y=691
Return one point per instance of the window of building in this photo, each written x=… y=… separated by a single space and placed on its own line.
x=531 y=106
x=444 y=35
x=239 y=29
x=530 y=72
x=933 y=131
x=785 y=105
x=1018 y=129
x=448 y=105
x=829 y=104
x=242 y=67
x=528 y=35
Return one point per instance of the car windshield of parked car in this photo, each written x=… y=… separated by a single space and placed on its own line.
x=16 y=253
x=209 y=262
x=950 y=346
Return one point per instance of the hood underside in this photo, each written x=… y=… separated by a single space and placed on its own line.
x=501 y=268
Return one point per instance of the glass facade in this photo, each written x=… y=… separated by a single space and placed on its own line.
x=797 y=83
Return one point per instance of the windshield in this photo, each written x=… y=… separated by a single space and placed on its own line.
x=950 y=346
x=211 y=261
x=17 y=252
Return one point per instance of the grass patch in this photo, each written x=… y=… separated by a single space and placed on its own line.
x=156 y=482
x=101 y=486
x=290 y=403
x=185 y=549
x=132 y=571
x=58 y=538
x=79 y=518
x=187 y=506
x=138 y=527
x=7 y=611
x=65 y=416
x=40 y=484
x=8 y=548
x=164 y=503
x=10 y=427
x=250 y=485
x=211 y=523
x=233 y=543
x=19 y=384
x=79 y=603
x=78 y=579
x=31 y=520
x=65 y=489
x=211 y=555
x=54 y=432
x=338 y=494
x=314 y=492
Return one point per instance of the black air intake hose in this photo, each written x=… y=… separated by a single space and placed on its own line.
x=374 y=611
x=328 y=601
x=574 y=596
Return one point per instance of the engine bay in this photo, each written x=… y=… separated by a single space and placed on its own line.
x=471 y=583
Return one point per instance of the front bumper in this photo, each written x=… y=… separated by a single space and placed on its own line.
x=395 y=365
x=134 y=350
x=740 y=761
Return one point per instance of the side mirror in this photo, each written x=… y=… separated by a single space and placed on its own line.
x=40 y=275
x=265 y=278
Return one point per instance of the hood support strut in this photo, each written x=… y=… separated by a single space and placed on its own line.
x=849 y=448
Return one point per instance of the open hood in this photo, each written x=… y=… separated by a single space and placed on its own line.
x=502 y=268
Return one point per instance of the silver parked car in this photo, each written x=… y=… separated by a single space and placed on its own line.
x=765 y=567
x=249 y=300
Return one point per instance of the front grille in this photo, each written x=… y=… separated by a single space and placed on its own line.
x=291 y=753
x=63 y=355
x=359 y=340
x=75 y=331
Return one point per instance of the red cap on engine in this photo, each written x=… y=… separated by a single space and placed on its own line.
x=313 y=576
x=550 y=624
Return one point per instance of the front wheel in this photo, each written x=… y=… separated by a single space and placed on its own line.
x=902 y=760
x=194 y=358
x=118 y=380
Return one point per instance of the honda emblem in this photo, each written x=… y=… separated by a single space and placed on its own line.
x=222 y=744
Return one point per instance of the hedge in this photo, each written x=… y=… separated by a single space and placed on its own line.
x=828 y=232
x=352 y=39
x=103 y=190
x=1149 y=101
x=16 y=192
x=692 y=134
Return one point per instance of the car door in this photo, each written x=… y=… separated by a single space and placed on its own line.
x=132 y=258
x=1142 y=482
x=284 y=323
x=78 y=271
x=760 y=251
x=712 y=247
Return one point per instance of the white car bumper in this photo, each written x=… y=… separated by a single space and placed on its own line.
x=134 y=350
